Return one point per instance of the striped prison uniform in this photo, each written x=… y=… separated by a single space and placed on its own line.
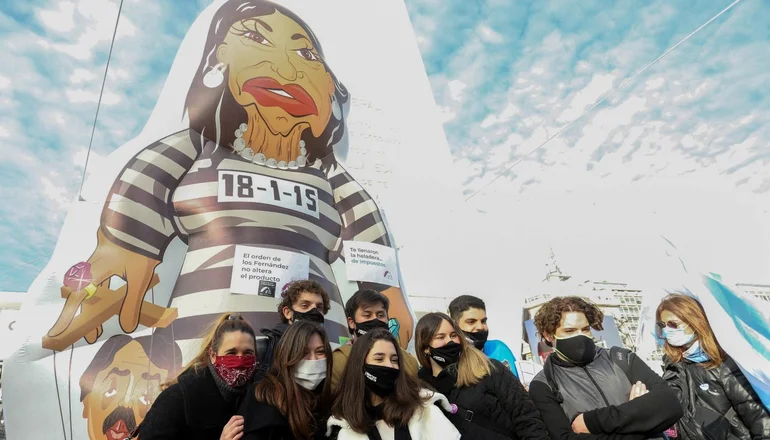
x=170 y=189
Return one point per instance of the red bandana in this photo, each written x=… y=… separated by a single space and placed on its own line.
x=236 y=371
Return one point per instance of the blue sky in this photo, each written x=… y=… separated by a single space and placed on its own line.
x=685 y=142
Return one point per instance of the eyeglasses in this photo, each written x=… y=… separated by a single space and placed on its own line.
x=671 y=324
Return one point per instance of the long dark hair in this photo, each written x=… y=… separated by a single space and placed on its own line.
x=212 y=338
x=203 y=103
x=279 y=389
x=473 y=364
x=352 y=397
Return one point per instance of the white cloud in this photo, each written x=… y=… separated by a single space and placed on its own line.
x=118 y=74
x=55 y=193
x=4 y=133
x=655 y=83
x=488 y=34
x=5 y=83
x=99 y=24
x=446 y=114
x=61 y=20
x=59 y=119
x=600 y=84
x=77 y=96
x=506 y=115
x=456 y=88
x=80 y=75
x=95 y=160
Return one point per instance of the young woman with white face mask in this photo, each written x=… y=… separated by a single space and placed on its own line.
x=718 y=401
x=291 y=402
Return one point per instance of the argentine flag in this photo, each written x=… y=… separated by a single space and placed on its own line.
x=741 y=324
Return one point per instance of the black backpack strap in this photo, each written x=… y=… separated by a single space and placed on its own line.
x=622 y=358
x=548 y=373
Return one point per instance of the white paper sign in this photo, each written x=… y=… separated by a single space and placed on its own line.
x=264 y=272
x=371 y=262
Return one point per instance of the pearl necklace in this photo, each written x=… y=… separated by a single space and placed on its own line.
x=239 y=145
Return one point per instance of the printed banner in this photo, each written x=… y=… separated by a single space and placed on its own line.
x=371 y=262
x=270 y=115
x=265 y=272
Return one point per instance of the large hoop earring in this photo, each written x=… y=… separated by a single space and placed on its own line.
x=214 y=77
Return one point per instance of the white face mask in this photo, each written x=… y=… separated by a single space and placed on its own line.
x=677 y=337
x=309 y=374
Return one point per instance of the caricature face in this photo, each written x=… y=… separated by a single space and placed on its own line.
x=122 y=394
x=274 y=69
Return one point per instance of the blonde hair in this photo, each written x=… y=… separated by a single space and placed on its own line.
x=473 y=364
x=229 y=322
x=690 y=311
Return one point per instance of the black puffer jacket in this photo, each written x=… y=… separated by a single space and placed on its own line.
x=718 y=403
x=496 y=408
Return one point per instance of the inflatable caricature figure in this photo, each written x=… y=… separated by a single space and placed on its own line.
x=254 y=170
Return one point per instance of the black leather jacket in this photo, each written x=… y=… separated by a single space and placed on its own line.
x=723 y=391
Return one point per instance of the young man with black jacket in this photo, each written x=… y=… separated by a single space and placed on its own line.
x=300 y=300
x=585 y=392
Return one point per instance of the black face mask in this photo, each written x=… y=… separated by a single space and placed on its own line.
x=380 y=380
x=478 y=339
x=313 y=315
x=446 y=355
x=579 y=349
x=363 y=328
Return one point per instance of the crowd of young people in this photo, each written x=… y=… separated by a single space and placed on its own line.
x=292 y=385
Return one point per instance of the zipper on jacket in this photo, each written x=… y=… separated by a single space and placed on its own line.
x=606 y=402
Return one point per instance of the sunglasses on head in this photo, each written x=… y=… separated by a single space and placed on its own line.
x=671 y=324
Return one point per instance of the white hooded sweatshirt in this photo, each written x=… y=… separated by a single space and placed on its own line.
x=430 y=423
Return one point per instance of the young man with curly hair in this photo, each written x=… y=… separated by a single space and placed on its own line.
x=300 y=300
x=586 y=392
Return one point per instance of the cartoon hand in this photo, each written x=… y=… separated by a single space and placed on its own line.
x=107 y=260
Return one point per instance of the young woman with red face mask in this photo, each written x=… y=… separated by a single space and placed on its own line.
x=201 y=403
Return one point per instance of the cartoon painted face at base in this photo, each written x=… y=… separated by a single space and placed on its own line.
x=277 y=75
x=122 y=394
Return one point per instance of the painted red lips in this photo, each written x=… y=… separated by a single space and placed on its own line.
x=291 y=97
